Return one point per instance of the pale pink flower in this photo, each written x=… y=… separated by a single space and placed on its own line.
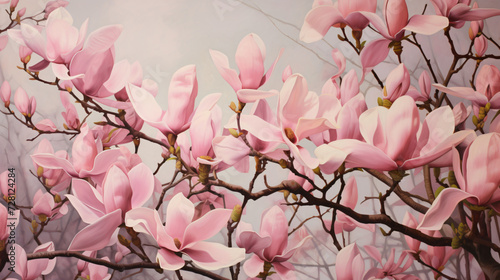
x=44 y=204
x=70 y=115
x=250 y=56
x=392 y=138
x=181 y=234
x=487 y=87
x=104 y=207
x=389 y=269
x=397 y=83
x=325 y=15
x=52 y=5
x=459 y=11
x=46 y=125
x=33 y=269
x=181 y=97
x=480 y=45
x=269 y=245
x=56 y=179
x=477 y=178
x=424 y=82
x=349 y=264
x=25 y=53
x=5 y=93
x=26 y=105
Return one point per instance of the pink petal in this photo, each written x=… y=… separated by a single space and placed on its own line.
x=373 y=53
x=102 y=162
x=308 y=127
x=182 y=93
x=46 y=125
x=318 y=21
x=344 y=266
x=34 y=40
x=169 y=260
x=360 y=154
x=87 y=201
x=205 y=227
x=53 y=162
x=252 y=95
x=464 y=92
x=271 y=69
x=116 y=190
x=142 y=184
x=253 y=266
x=340 y=61
x=180 y=213
x=62 y=72
x=330 y=158
x=104 y=227
x=39 y=66
x=213 y=256
x=250 y=240
x=4 y=39
x=373 y=252
x=148 y=221
x=119 y=76
x=146 y=106
x=285 y=270
x=426 y=24
x=396 y=15
x=222 y=64
x=442 y=208
x=250 y=60
x=275 y=225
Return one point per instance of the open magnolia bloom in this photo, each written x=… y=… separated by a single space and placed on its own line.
x=478 y=179
x=459 y=11
x=270 y=245
x=395 y=139
x=181 y=234
x=250 y=57
x=326 y=14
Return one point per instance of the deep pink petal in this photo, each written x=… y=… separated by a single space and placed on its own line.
x=182 y=93
x=87 y=201
x=250 y=240
x=104 y=227
x=360 y=154
x=116 y=190
x=464 y=92
x=374 y=53
x=396 y=15
x=275 y=225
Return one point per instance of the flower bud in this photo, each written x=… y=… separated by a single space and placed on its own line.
x=397 y=83
x=21 y=13
x=236 y=214
x=34 y=224
x=286 y=73
x=13 y=5
x=5 y=93
x=25 y=54
x=480 y=45
x=25 y=105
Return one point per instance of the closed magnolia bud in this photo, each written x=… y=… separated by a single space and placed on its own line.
x=21 y=12
x=5 y=93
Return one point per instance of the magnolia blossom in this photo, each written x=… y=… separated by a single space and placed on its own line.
x=392 y=27
x=58 y=42
x=476 y=177
x=33 y=269
x=325 y=14
x=487 y=87
x=88 y=157
x=26 y=105
x=104 y=207
x=389 y=268
x=349 y=263
x=269 y=245
x=5 y=93
x=250 y=56
x=45 y=206
x=397 y=83
x=459 y=11
x=182 y=234
x=396 y=139
x=424 y=82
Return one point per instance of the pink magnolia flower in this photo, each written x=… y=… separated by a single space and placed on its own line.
x=45 y=206
x=476 y=26
x=392 y=137
x=182 y=234
x=349 y=264
x=46 y=125
x=57 y=43
x=437 y=256
x=95 y=271
x=70 y=115
x=392 y=27
x=33 y=269
x=487 y=87
x=26 y=105
x=390 y=269
x=325 y=14
x=181 y=97
x=250 y=56
x=269 y=245
x=458 y=11
x=477 y=179
x=88 y=157
x=25 y=54
x=424 y=82
x=349 y=199
x=104 y=207
x=397 y=83
x=5 y=93
x=52 y=5
x=56 y=179
x=480 y=45
x=7 y=186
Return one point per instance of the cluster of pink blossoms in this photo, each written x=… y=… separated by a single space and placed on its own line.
x=133 y=220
